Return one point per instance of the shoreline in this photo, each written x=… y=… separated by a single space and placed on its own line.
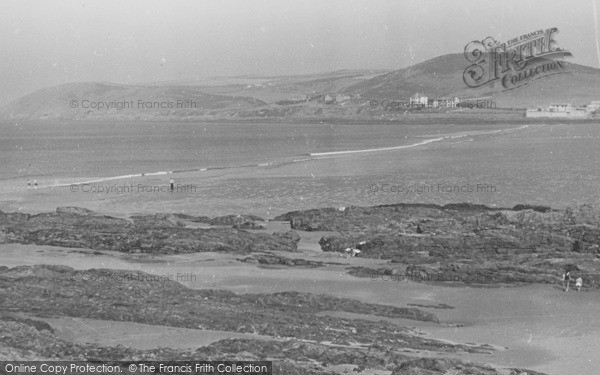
x=294 y=159
x=285 y=160
x=465 y=117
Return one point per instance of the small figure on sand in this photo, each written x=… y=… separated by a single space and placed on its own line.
x=566 y=280
x=28 y=184
x=35 y=184
x=172 y=183
x=578 y=284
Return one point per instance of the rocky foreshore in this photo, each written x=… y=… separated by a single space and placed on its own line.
x=471 y=244
x=158 y=234
x=33 y=339
x=468 y=243
x=301 y=341
x=459 y=243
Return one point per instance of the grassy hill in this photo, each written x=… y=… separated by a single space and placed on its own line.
x=299 y=97
x=83 y=100
x=272 y=89
x=442 y=76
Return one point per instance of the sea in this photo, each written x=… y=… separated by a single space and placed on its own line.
x=272 y=168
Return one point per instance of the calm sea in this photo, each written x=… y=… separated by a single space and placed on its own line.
x=55 y=150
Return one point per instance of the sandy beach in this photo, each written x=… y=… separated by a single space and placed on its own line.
x=539 y=327
x=546 y=165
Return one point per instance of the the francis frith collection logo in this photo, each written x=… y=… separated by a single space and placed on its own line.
x=514 y=63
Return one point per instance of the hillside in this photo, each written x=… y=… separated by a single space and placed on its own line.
x=102 y=101
x=272 y=89
x=443 y=76
x=342 y=95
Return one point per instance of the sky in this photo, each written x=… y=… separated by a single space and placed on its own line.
x=46 y=43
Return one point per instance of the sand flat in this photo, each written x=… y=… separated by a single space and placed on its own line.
x=137 y=335
x=541 y=327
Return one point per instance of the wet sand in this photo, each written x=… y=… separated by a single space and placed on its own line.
x=549 y=165
x=539 y=326
x=136 y=335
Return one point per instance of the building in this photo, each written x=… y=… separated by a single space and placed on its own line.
x=419 y=100
x=422 y=101
x=560 y=108
x=340 y=98
x=446 y=102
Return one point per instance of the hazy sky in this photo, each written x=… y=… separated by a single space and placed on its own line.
x=45 y=43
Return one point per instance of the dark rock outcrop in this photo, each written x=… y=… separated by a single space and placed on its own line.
x=239 y=221
x=144 y=298
x=159 y=233
x=21 y=340
x=270 y=259
x=235 y=221
x=523 y=244
x=290 y=235
x=441 y=366
x=302 y=342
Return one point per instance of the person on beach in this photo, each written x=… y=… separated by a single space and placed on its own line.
x=566 y=280
x=35 y=184
x=28 y=184
x=172 y=183
x=579 y=284
x=348 y=252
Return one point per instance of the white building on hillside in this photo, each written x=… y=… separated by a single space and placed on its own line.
x=418 y=100
x=560 y=108
x=447 y=102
